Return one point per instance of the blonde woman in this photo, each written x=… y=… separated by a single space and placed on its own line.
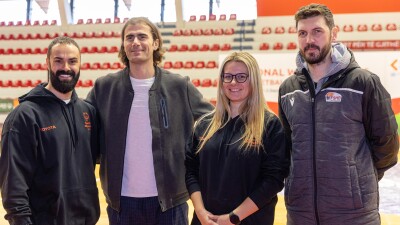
x=236 y=162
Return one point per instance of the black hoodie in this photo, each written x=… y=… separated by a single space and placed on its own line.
x=49 y=151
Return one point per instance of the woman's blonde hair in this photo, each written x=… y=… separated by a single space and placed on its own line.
x=251 y=111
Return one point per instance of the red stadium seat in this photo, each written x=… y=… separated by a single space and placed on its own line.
x=192 y=18
x=53 y=22
x=229 y=31
x=99 y=34
x=183 y=48
x=189 y=65
x=232 y=17
x=222 y=17
x=266 y=30
x=80 y=21
x=215 y=47
x=167 y=65
x=204 y=47
x=279 y=30
x=19 y=23
x=277 y=46
x=207 y=82
x=2 y=23
x=107 y=20
x=211 y=65
x=105 y=66
x=27 y=51
x=87 y=83
x=376 y=27
x=103 y=49
x=173 y=48
x=178 y=65
x=37 y=66
x=208 y=32
x=291 y=46
x=27 y=66
x=116 y=66
x=226 y=47
x=194 y=47
x=264 y=46
x=292 y=30
x=391 y=27
x=218 y=31
x=212 y=17
x=93 y=49
x=36 y=23
x=99 y=21
x=95 y=66
x=203 y=18
x=199 y=64
x=10 y=23
x=187 y=32
x=27 y=83
x=348 y=28
x=113 y=49
x=18 y=66
x=89 y=21
x=2 y=51
x=45 y=22
x=177 y=32
x=117 y=20
x=197 y=32
x=85 y=66
x=362 y=28
x=196 y=82
x=18 y=51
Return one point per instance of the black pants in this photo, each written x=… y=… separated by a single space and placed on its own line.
x=147 y=211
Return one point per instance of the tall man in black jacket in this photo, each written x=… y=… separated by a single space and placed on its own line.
x=49 y=149
x=340 y=129
x=147 y=115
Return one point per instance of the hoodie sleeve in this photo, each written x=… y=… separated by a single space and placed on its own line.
x=17 y=166
x=380 y=125
x=197 y=103
x=275 y=163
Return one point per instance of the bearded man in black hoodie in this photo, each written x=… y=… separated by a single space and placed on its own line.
x=49 y=149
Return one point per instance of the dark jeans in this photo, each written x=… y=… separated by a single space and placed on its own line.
x=147 y=211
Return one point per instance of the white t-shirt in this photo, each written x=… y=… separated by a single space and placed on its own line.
x=139 y=178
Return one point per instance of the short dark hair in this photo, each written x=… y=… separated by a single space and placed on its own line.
x=64 y=40
x=157 y=54
x=313 y=10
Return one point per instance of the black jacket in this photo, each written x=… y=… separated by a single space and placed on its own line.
x=47 y=161
x=342 y=139
x=226 y=175
x=174 y=105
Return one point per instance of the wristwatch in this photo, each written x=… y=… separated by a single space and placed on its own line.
x=234 y=218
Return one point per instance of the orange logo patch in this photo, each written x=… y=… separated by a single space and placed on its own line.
x=88 y=124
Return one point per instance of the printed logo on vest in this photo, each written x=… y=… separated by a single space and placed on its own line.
x=333 y=97
x=44 y=129
x=88 y=125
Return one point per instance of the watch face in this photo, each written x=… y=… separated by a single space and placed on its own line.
x=234 y=218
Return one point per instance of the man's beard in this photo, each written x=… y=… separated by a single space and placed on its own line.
x=63 y=86
x=315 y=58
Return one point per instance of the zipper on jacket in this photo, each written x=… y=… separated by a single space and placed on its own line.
x=164 y=112
x=315 y=186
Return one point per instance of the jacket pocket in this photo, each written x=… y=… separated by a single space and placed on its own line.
x=355 y=188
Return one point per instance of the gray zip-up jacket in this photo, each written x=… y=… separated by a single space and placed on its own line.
x=174 y=105
x=343 y=137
